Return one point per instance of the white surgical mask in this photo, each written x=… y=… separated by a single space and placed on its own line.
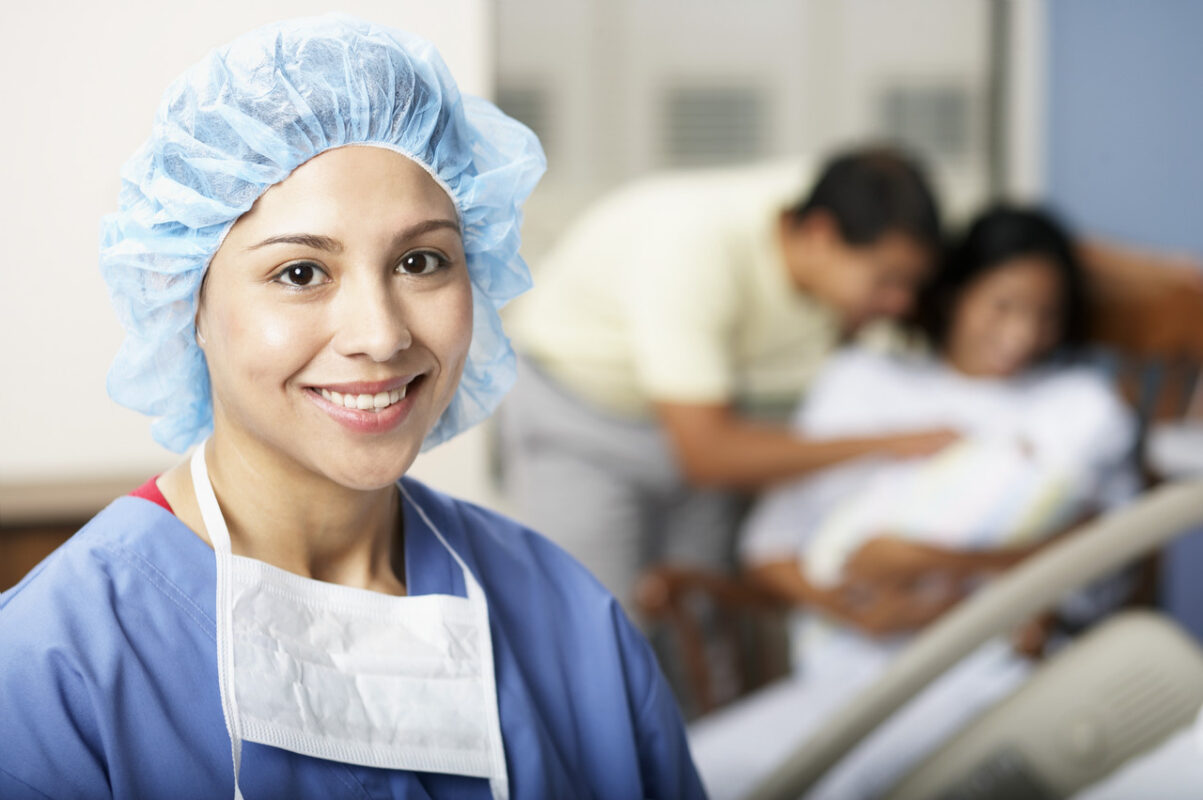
x=351 y=675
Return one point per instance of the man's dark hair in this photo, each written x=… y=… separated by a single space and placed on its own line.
x=874 y=191
x=998 y=235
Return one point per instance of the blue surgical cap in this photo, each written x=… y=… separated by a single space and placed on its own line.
x=241 y=121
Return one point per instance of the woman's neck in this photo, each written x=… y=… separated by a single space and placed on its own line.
x=968 y=370
x=292 y=518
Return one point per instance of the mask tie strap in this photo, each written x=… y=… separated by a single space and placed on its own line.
x=219 y=536
x=499 y=782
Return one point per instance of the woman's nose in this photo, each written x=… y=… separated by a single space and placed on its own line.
x=894 y=302
x=1021 y=337
x=371 y=321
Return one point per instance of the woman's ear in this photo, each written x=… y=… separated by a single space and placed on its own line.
x=820 y=225
x=198 y=323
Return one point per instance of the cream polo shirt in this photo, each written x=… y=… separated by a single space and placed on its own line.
x=674 y=289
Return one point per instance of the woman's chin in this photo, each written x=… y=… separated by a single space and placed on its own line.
x=1007 y=370
x=362 y=483
x=366 y=475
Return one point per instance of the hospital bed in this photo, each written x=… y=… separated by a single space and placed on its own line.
x=1065 y=728
x=1154 y=345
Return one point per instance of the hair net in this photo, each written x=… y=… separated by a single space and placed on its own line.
x=242 y=120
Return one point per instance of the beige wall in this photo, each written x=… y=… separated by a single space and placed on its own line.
x=821 y=68
x=81 y=82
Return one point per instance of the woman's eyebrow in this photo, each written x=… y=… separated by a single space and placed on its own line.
x=304 y=239
x=318 y=242
x=426 y=226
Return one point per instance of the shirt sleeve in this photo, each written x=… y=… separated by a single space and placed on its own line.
x=1080 y=418
x=49 y=740
x=665 y=764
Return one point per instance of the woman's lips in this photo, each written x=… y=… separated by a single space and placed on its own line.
x=367 y=407
x=369 y=387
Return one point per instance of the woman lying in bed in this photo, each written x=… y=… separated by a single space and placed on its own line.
x=877 y=548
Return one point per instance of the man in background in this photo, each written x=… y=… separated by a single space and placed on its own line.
x=674 y=328
x=680 y=319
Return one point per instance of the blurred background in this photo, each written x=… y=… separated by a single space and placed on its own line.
x=619 y=89
x=1092 y=105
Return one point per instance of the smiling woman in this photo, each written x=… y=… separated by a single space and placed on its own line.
x=372 y=297
x=371 y=304
x=308 y=258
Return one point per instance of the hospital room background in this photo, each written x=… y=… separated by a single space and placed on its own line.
x=1092 y=106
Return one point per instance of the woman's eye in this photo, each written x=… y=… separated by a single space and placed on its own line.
x=302 y=274
x=422 y=262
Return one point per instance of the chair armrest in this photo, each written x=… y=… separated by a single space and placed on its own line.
x=700 y=608
x=662 y=587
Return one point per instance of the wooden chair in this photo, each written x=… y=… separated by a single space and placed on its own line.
x=720 y=627
x=1152 y=340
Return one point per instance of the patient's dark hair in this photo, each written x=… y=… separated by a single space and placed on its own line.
x=998 y=235
x=874 y=191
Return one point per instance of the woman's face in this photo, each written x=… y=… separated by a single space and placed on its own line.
x=1007 y=319
x=336 y=317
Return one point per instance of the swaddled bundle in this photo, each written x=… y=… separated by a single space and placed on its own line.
x=985 y=492
x=1040 y=450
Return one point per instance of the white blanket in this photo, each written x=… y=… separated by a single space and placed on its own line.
x=1039 y=450
x=981 y=493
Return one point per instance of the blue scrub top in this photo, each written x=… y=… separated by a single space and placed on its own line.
x=108 y=672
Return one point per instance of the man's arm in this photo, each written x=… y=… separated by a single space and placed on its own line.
x=716 y=448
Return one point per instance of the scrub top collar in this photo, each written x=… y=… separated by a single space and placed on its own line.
x=429 y=568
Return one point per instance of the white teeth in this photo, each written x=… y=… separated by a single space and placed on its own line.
x=365 y=402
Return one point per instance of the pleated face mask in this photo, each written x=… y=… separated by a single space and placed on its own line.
x=350 y=675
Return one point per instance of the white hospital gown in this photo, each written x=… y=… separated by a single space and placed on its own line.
x=1074 y=438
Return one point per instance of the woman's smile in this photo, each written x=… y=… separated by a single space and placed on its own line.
x=368 y=407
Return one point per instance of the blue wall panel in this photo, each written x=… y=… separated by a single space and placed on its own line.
x=1126 y=118
x=1125 y=155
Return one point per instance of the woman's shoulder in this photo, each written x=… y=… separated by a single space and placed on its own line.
x=865 y=363
x=849 y=387
x=502 y=549
x=123 y=558
x=1078 y=384
x=94 y=638
x=1079 y=408
x=81 y=557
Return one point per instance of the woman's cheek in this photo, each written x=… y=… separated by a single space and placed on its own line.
x=269 y=341
x=465 y=326
x=280 y=332
x=451 y=325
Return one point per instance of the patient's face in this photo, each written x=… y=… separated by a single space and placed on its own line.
x=1007 y=319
